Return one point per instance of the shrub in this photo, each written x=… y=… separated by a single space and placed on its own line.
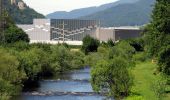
x=112 y=76
x=90 y=44
x=164 y=61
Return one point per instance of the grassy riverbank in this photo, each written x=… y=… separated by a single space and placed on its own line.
x=144 y=80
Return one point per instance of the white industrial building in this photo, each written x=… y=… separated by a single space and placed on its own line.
x=72 y=31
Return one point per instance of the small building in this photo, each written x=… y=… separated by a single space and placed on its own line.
x=118 y=33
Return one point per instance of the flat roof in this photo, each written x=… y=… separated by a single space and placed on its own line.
x=123 y=27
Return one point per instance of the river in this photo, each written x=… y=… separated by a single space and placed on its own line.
x=74 y=85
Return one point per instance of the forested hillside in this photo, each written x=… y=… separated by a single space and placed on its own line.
x=86 y=11
x=137 y=13
x=21 y=16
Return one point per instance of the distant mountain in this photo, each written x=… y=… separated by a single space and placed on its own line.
x=86 y=11
x=136 y=13
x=21 y=14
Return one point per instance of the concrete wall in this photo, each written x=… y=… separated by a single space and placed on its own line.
x=39 y=30
x=105 y=34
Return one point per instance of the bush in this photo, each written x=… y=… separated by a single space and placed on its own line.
x=112 y=76
x=61 y=58
x=10 y=76
x=90 y=44
x=164 y=61
x=78 y=60
x=138 y=44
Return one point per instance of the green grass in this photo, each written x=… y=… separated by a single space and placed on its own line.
x=144 y=79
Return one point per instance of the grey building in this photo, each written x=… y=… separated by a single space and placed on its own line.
x=73 y=29
x=52 y=30
x=39 y=30
x=118 y=33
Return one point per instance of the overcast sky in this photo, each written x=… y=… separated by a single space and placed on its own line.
x=48 y=6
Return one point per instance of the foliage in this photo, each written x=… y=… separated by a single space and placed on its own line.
x=157 y=32
x=112 y=77
x=14 y=34
x=110 y=69
x=147 y=85
x=31 y=62
x=10 y=76
x=138 y=44
x=89 y=44
x=159 y=88
x=11 y=32
x=140 y=57
x=164 y=61
x=110 y=43
x=24 y=16
x=60 y=58
x=77 y=59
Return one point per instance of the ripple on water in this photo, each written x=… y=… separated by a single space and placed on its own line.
x=73 y=85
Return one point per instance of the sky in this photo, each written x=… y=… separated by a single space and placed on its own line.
x=48 y=6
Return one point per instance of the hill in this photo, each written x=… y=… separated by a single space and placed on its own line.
x=137 y=13
x=85 y=11
x=21 y=15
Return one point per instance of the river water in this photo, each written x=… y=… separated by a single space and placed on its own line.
x=74 y=85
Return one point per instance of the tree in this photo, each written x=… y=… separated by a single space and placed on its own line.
x=11 y=33
x=10 y=76
x=89 y=44
x=112 y=76
x=164 y=61
x=31 y=62
x=60 y=58
x=14 y=34
x=158 y=32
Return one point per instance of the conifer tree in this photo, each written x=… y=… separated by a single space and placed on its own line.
x=158 y=31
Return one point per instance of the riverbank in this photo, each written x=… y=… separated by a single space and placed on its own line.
x=144 y=80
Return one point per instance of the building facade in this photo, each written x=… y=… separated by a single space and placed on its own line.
x=72 y=29
x=39 y=30
x=118 y=33
x=62 y=30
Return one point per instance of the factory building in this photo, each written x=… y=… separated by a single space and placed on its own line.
x=74 y=30
x=118 y=33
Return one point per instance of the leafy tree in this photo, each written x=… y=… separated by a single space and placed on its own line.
x=10 y=76
x=11 y=32
x=112 y=76
x=89 y=44
x=77 y=60
x=31 y=62
x=14 y=34
x=60 y=58
x=138 y=44
x=164 y=61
